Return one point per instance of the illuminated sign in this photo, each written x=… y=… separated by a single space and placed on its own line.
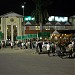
x=29 y=18
x=58 y=19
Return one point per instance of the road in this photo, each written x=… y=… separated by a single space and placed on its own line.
x=26 y=62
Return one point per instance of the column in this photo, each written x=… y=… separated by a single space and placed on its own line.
x=6 y=31
x=20 y=25
x=12 y=32
x=2 y=24
x=18 y=28
x=4 y=20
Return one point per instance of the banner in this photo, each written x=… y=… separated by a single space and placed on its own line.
x=27 y=36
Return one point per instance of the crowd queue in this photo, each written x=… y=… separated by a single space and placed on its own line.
x=62 y=48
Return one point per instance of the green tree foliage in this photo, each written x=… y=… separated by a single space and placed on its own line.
x=41 y=13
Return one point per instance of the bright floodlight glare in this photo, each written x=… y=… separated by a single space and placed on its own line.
x=22 y=6
x=51 y=18
x=26 y=19
x=33 y=18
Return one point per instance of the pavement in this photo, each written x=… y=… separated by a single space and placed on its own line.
x=18 y=61
x=17 y=50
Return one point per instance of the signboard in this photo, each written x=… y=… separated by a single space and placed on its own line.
x=28 y=36
x=29 y=18
x=43 y=34
x=58 y=19
x=19 y=37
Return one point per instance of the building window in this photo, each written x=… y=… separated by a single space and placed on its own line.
x=11 y=20
x=47 y=27
x=37 y=27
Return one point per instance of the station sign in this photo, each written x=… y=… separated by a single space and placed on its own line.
x=58 y=19
x=29 y=18
x=44 y=34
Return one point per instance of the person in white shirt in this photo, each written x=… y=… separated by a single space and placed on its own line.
x=11 y=45
x=22 y=44
x=70 y=46
x=48 y=48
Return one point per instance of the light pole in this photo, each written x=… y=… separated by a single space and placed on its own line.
x=23 y=7
x=23 y=10
x=23 y=18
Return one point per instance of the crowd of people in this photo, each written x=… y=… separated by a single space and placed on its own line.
x=62 y=48
x=4 y=44
x=65 y=47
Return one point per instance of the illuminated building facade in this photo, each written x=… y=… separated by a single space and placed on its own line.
x=12 y=25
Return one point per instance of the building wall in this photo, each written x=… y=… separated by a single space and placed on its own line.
x=72 y=20
x=11 y=21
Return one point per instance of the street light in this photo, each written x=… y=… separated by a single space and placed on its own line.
x=23 y=16
x=23 y=10
x=23 y=7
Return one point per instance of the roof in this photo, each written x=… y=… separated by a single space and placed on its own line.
x=11 y=14
x=55 y=32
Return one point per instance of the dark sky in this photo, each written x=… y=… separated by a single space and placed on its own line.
x=58 y=7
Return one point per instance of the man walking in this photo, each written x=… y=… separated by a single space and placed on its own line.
x=48 y=48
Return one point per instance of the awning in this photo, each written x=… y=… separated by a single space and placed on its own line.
x=55 y=32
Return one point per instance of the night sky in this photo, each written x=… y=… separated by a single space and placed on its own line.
x=56 y=8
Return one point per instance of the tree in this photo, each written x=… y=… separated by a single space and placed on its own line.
x=40 y=13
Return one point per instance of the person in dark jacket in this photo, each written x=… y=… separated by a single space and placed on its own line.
x=0 y=45
x=40 y=46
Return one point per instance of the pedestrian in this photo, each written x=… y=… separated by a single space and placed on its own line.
x=26 y=45
x=30 y=44
x=48 y=49
x=22 y=44
x=0 y=44
x=11 y=45
x=70 y=46
x=53 y=49
x=36 y=46
x=40 y=46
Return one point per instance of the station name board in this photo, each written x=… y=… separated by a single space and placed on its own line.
x=58 y=19
x=29 y=18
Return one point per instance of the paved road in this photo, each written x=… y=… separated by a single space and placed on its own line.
x=25 y=62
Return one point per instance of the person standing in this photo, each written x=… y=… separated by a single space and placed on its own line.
x=30 y=44
x=37 y=46
x=11 y=45
x=48 y=48
x=40 y=46
x=53 y=48
x=0 y=44
x=26 y=45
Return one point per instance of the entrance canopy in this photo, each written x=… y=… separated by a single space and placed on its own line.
x=55 y=32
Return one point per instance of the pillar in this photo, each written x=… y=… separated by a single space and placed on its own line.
x=4 y=27
x=12 y=32
x=20 y=25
